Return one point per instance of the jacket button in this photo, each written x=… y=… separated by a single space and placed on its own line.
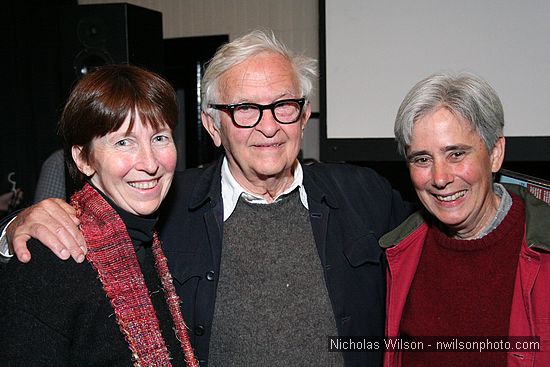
x=210 y=275
x=199 y=330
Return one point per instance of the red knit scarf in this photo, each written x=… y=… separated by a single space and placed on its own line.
x=112 y=255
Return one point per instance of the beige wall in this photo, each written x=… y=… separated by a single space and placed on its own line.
x=295 y=22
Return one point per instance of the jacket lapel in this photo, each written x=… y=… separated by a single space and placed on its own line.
x=319 y=203
x=207 y=198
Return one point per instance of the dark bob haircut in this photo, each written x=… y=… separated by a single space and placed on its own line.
x=101 y=101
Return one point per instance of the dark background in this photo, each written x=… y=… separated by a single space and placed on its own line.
x=37 y=73
x=45 y=47
x=31 y=88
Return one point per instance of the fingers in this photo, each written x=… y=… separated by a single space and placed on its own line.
x=20 y=242
x=53 y=222
x=5 y=202
x=19 y=195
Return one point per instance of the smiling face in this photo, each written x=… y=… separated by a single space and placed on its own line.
x=451 y=171
x=268 y=150
x=133 y=168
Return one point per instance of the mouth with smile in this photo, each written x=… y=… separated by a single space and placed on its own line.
x=452 y=197
x=144 y=185
x=268 y=145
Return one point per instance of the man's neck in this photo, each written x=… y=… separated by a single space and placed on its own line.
x=233 y=189
x=267 y=187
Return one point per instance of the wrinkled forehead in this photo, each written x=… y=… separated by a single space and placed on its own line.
x=260 y=78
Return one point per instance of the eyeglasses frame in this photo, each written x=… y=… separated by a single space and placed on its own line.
x=230 y=109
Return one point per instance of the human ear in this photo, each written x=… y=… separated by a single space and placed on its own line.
x=497 y=154
x=305 y=117
x=81 y=162
x=210 y=126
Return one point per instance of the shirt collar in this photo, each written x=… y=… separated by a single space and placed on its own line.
x=232 y=190
x=502 y=210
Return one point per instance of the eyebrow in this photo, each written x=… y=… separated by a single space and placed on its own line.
x=456 y=147
x=416 y=154
x=445 y=149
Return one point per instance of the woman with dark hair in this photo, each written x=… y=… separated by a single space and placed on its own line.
x=118 y=307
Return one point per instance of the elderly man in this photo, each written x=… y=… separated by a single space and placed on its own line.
x=475 y=262
x=271 y=256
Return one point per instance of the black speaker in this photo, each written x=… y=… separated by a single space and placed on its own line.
x=100 y=34
x=184 y=63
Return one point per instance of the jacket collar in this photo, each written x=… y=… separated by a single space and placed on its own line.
x=537 y=213
x=411 y=224
x=232 y=190
x=208 y=187
x=317 y=189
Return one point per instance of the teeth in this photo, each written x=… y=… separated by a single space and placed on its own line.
x=143 y=185
x=451 y=197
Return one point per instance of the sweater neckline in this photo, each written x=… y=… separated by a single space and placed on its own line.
x=140 y=228
x=493 y=238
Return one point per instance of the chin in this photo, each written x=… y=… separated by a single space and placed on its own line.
x=146 y=209
x=274 y=168
x=451 y=222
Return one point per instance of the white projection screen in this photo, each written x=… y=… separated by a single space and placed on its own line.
x=374 y=51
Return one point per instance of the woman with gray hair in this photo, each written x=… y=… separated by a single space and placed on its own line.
x=472 y=263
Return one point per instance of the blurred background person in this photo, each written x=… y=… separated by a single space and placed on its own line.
x=52 y=179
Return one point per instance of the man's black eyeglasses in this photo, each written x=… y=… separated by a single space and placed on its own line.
x=285 y=111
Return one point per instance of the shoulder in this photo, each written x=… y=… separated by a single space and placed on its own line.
x=537 y=217
x=46 y=272
x=346 y=176
x=188 y=179
x=337 y=168
x=357 y=191
x=191 y=190
x=48 y=302
x=47 y=287
x=409 y=226
x=190 y=173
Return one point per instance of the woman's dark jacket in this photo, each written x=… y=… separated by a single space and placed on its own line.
x=56 y=313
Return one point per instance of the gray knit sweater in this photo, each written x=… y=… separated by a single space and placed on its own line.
x=272 y=305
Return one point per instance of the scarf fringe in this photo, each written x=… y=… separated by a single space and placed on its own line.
x=112 y=255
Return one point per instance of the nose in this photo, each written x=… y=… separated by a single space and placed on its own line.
x=268 y=125
x=441 y=174
x=146 y=160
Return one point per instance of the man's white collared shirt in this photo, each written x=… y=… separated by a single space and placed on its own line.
x=232 y=190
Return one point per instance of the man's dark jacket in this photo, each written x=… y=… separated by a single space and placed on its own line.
x=350 y=208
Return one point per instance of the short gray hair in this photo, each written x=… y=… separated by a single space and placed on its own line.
x=238 y=51
x=465 y=95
